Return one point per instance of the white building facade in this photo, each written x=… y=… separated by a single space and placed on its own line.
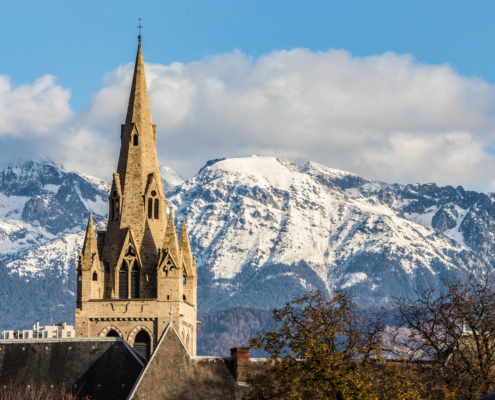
x=55 y=331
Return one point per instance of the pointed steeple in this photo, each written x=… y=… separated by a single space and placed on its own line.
x=89 y=247
x=170 y=240
x=185 y=250
x=139 y=111
x=184 y=238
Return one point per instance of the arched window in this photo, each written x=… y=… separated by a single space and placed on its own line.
x=135 y=140
x=95 y=276
x=184 y=280
x=112 y=333
x=135 y=282
x=156 y=208
x=123 y=282
x=184 y=297
x=150 y=208
x=142 y=344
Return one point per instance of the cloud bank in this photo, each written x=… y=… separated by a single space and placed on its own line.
x=384 y=117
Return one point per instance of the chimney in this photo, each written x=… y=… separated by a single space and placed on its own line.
x=240 y=356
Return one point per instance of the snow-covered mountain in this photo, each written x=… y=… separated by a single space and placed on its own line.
x=263 y=230
x=171 y=179
x=40 y=201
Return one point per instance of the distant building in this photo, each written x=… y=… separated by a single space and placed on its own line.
x=55 y=331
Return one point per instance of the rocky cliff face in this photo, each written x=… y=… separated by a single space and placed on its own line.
x=263 y=230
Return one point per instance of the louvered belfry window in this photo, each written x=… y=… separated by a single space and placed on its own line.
x=150 y=208
x=142 y=344
x=135 y=282
x=123 y=282
x=156 y=209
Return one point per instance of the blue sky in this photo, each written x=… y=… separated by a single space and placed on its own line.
x=79 y=41
x=399 y=91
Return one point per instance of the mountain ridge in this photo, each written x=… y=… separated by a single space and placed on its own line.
x=263 y=230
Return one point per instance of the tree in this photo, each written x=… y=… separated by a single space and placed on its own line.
x=452 y=336
x=324 y=349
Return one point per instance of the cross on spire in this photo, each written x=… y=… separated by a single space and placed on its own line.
x=140 y=26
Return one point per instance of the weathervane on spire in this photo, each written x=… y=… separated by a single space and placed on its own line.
x=140 y=26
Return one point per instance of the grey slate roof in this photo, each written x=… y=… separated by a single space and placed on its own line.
x=105 y=369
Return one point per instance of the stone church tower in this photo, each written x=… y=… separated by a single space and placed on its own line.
x=138 y=274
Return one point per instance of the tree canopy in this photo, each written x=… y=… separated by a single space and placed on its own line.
x=324 y=349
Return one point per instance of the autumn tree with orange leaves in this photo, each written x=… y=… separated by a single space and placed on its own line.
x=324 y=349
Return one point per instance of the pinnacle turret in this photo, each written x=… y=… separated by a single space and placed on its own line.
x=185 y=250
x=170 y=241
x=89 y=246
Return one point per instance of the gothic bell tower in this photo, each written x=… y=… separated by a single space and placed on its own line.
x=139 y=268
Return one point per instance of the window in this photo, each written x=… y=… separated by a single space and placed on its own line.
x=168 y=297
x=184 y=280
x=184 y=297
x=135 y=140
x=150 y=208
x=80 y=278
x=69 y=334
x=156 y=208
x=54 y=334
x=123 y=282
x=95 y=276
x=153 y=193
x=135 y=282
x=142 y=344
x=59 y=334
x=40 y=335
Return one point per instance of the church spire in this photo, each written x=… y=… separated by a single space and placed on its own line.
x=139 y=111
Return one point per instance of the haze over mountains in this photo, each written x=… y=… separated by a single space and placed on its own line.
x=263 y=230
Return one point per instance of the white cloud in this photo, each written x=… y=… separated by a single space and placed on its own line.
x=386 y=117
x=35 y=109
